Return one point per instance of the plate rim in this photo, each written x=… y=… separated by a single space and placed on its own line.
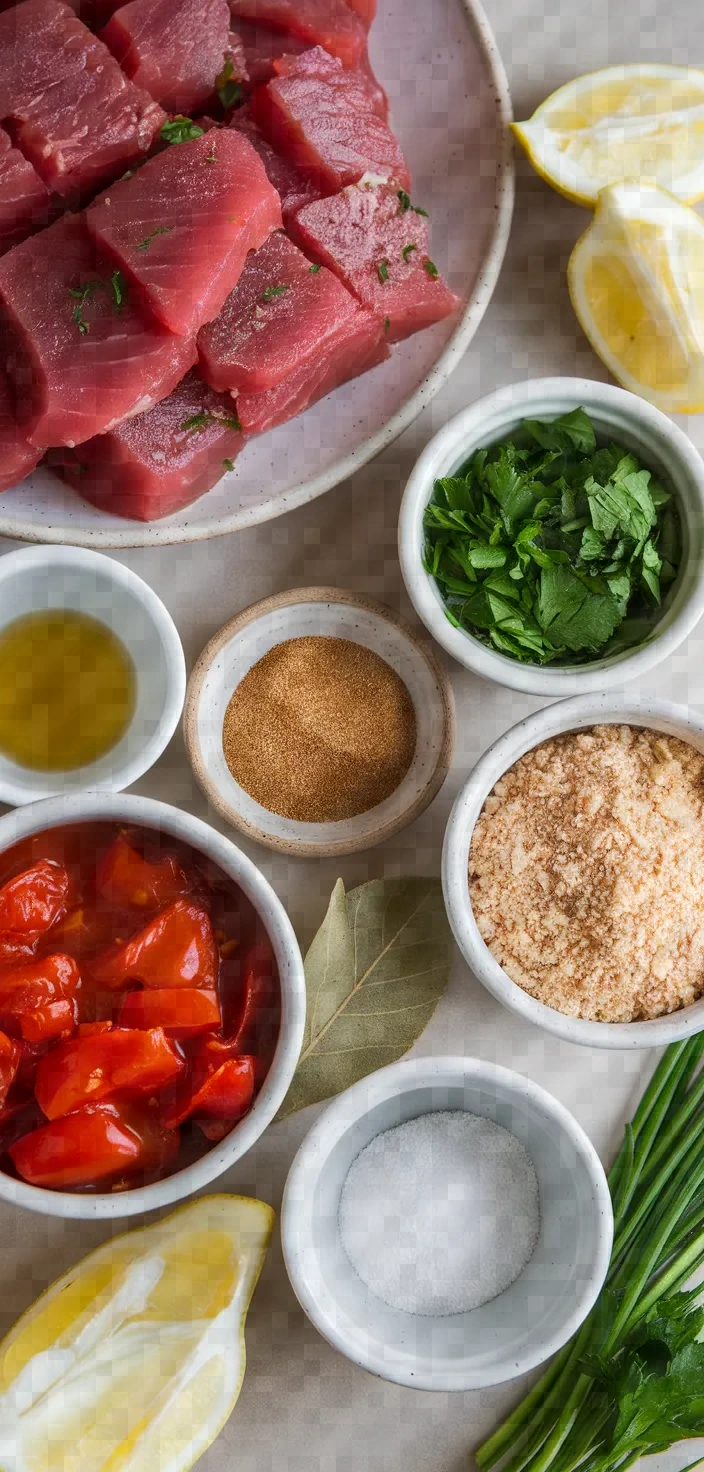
x=163 y=534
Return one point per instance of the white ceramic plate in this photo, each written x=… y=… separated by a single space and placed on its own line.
x=450 y=107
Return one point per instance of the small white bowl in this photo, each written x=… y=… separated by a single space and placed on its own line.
x=37 y=578
x=526 y=1323
x=145 y=812
x=566 y=715
x=291 y=615
x=615 y=414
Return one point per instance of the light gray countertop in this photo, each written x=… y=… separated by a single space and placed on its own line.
x=304 y=1408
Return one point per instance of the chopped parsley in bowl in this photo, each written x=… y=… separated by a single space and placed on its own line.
x=553 y=548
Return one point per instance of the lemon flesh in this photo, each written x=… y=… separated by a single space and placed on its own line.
x=643 y=122
x=636 y=279
x=134 y=1360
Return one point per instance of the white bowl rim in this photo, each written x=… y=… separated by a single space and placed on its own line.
x=310 y=1160
x=508 y=402
x=199 y=530
x=147 y=812
x=13 y=563
x=563 y=715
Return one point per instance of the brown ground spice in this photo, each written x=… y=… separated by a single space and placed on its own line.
x=319 y=730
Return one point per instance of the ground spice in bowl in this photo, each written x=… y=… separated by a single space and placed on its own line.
x=319 y=730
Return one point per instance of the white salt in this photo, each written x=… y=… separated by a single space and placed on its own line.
x=440 y=1214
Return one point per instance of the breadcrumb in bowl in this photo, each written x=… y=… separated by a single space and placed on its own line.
x=573 y=871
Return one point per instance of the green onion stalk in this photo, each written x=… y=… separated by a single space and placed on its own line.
x=631 y=1380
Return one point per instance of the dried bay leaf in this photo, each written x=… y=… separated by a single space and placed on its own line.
x=374 y=974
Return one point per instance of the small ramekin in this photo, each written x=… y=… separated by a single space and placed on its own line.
x=565 y=715
x=615 y=414
x=35 y=578
x=143 y=811
x=526 y=1323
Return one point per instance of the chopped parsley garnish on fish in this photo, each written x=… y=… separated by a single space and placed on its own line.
x=313 y=269
x=229 y=91
x=431 y=268
x=229 y=464
x=119 y=289
x=84 y=294
x=382 y=270
x=270 y=292
x=551 y=548
x=179 y=130
x=160 y=230
x=404 y=201
x=205 y=418
x=407 y=251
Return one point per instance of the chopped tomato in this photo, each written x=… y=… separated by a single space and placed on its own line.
x=225 y=1092
x=93 y=1145
x=33 y=901
x=182 y=1011
x=87 y=1069
x=10 y=1055
x=38 y=998
x=176 y=948
x=130 y=881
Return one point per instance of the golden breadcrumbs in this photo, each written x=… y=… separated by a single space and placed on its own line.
x=586 y=873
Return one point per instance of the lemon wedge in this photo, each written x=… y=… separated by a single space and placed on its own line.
x=636 y=279
x=643 y=122
x=134 y=1360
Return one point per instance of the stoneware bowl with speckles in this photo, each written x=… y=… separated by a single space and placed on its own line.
x=565 y=715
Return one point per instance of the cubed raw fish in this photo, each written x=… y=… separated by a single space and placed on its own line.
x=17 y=456
x=79 y=359
x=323 y=119
x=76 y=117
x=293 y=187
x=356 y=345
x=158 y=462
x=281 y=314
x=317 y=62
x=181 y=227
x=262 y=46
x=24 y=199
x=378 y=245
x=174 y=49
x=365 y=9
x=329 y=23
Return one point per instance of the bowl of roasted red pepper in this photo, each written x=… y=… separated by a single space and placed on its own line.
x=152 y=1004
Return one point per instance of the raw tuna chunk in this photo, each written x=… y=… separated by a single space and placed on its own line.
x=292 y=187
x=24 y=199
x=358 y=344
x=152 y=465
x=76 y=118
x=378 y=245
x=365 y=9
x=322 y=118
x=181 y=227
x=174 y=50
x=329 y=23
x=17 y=456
x=262 y=46
x=82 y=354
x=282 y=313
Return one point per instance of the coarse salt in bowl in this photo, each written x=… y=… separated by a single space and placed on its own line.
x=616 y=415
x=524 y=1324
x=574 y=714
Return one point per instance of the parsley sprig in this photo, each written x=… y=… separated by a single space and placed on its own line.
x=229 y=91
x=550 y=548
x=160 y=230
x=196 y=422
x=630 y=1381
x=270 y=292
x=179 y=130
x=83 y=294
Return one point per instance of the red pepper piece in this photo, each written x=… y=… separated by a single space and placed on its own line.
x=38 y=998
x=82 y=930
x=176 y=948
x=183 y=1012
x=215 y=1129
x=93 y=1145
x=88 y=1069
x=223 y=1093
x=93 y=1029
x=129 y=881
x=10 y=1056
x=33 y=901
x=258 y=999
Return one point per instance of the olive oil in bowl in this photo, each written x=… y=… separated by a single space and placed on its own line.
x=67 y=690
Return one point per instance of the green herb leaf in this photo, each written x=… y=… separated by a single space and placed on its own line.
x=160 y=230
x=118 y=286
x=572 y=614
x=383 y=270
x=404 y=201
x=431 y=267
x=228 y=90
x=572 y=431
x=179 y=130
x=406 y=252
x=387 y=323
x=229 y=464
x=270 y=292
x=374 y=975
x=313 y=270
x=204 y=419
